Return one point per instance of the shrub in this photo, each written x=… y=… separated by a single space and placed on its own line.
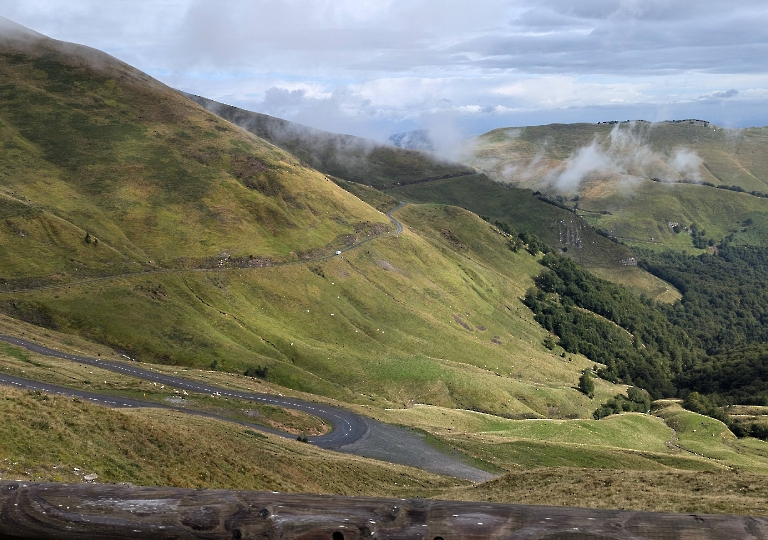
x=587 y=385
x=260 y=372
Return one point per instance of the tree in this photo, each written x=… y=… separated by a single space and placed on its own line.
x=587 y=385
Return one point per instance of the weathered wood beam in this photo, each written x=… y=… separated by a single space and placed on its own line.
x=96 y=511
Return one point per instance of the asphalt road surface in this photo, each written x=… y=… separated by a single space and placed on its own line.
x=348 y=427
x=393 y=220
x=352 y=433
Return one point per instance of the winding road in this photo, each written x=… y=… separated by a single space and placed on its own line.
x=348 y=427
x=352 y=433
x=396 y=223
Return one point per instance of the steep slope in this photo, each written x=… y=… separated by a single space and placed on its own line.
x=352 y=158
x=637 y=180
x=139 y=220
x=106 y=171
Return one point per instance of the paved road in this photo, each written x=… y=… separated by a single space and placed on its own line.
x=395 y=222
x=351 y=433
x=348 y=427
x=122 y=402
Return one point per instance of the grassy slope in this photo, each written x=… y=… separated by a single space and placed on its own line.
x=162 y=183
x=60 y=439
x=640 y=210
x=22 y=363
x=348 y=157
x=364 y=163
x=642 y=218
x=155 y=178
x=630 y=461
x=555 y=226
x=397 y=333
x=414 y=318
x=578 y=463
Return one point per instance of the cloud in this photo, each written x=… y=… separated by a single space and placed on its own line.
x=382 y=66
x=728 y=93
x=625 y=152
x=687 y=163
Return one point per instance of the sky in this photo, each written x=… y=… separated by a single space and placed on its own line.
x=458 y=68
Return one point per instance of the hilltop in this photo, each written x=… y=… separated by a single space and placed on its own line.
x=639 y=182
x=106 y=171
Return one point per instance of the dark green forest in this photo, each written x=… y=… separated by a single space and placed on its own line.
x=713 y=342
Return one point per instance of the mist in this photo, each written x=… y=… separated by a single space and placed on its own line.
x=626 y=151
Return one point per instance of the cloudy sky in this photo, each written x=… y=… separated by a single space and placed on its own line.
x=377 y=67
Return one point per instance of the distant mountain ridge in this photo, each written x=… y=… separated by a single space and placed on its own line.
x=417 y=139
x=634 y=180
x=345 y=156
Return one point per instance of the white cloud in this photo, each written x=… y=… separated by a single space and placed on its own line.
x=376 y=66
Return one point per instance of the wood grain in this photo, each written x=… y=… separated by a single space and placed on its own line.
x=96 y=511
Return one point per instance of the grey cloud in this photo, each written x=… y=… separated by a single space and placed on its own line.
x=728 y=93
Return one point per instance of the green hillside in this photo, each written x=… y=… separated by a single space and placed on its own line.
x=636 y=181
x=423 y=178
x=106 y=171
x=145 y=223
x=134 y=222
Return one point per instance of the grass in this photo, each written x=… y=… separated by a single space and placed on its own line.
x=630 y=206
x=155 y=180
x=346 y=157
x=640 y=282
x=407 y=319
x=423 y=329
x=46 y=438
x=630 y=461
x=26 y=364
x=484 y=197
x=378 y=199
x=715 y=492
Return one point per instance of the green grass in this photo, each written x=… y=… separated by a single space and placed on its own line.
x=643 y=217
x=22 y=363
x=524 y=211
x=46 y=438
x=630 y=206
x=155 y=179
x=344 y=156
x=640 y=282
x=378 y=199
x=692 y=492
x=710 y=438
x=407 y=319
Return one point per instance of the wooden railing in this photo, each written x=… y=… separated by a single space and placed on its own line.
x=103 y=511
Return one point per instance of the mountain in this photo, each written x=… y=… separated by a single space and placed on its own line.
x=637 y=180
x=417 y=139
x=424 y=178
x=92 y=148
x=137 y=219
x=135 y=223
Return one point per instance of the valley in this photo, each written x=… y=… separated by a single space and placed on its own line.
x=262 y=305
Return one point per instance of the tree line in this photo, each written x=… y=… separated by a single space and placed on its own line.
x=712 y=343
